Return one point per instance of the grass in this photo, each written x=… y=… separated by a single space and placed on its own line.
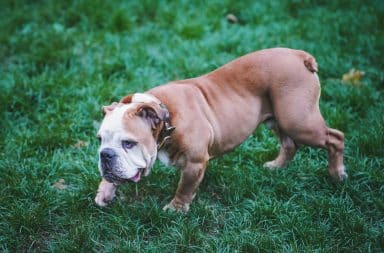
x=62 y=60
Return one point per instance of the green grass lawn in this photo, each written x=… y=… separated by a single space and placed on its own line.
x=60 y=61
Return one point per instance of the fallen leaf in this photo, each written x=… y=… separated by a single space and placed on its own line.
x=353 y=77
x=215 y=195
x=232 y=18
x=80 y=144
x=60 y=184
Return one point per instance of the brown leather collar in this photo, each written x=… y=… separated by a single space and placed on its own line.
x=166 y=131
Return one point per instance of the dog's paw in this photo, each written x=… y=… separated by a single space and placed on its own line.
x=339 y=174
x=272 y=165
x=176 y=207
x=103 y=198
x=342 y=176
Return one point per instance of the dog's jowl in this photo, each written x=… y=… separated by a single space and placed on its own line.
x=186 y=123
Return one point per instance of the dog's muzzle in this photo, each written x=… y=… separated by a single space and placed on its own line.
x=112 y=178
x=108 y=161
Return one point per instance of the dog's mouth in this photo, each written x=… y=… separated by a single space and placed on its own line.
x=112 y=178
x=136 y=178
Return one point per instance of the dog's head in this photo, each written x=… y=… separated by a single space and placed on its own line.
x=128 y=135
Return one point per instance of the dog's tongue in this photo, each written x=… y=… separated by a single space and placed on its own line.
x=136 y=178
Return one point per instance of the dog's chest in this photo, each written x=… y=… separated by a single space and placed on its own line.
x=163 y=156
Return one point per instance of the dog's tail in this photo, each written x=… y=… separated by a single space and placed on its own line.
x=309 y=61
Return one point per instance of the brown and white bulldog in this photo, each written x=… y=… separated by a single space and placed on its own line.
x=186 y=123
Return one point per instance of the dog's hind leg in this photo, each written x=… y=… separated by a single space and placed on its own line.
x=295 y=104
x=335 y=148
x=288 y=147
x=314 y=132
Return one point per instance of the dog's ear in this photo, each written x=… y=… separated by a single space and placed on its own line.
x=109 y=108
x=153 y=113
x=127 y=99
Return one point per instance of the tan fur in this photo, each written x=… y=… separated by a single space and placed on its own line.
x=217 y=111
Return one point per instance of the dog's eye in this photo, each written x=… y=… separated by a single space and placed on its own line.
x=128 y=144
x=99 y=138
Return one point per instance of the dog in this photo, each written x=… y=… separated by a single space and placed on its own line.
x=186 y=123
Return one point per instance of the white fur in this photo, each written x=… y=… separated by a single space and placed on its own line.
x=164 y=158
x=112 y=133
x=113 y=121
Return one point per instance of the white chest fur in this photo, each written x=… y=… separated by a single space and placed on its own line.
x=163 y=156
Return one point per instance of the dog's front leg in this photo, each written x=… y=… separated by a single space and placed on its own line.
x=105 y=193
x=191 y=176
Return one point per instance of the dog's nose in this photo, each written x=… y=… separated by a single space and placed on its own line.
x=107 y=154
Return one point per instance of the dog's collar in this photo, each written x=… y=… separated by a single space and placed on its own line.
x=167 y=129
